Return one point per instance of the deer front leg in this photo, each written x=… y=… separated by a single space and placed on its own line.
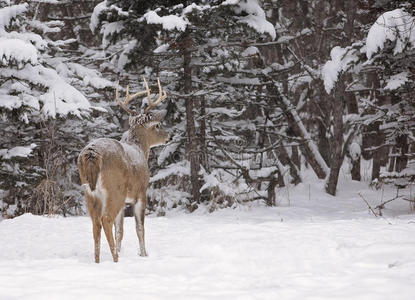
x=139 y=212
x=119 y=229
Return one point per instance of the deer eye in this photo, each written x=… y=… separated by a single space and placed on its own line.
x=158 y=126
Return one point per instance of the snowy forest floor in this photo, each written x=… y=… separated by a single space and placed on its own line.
x=318 y=247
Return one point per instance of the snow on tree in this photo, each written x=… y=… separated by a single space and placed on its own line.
x=395 y=26
x=39 y=91
x=24 y=58
x=387 y=111
x=185 y=35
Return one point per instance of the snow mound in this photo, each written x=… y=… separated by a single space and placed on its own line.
x=170 y=22
x=316 y=249
x=397 y=26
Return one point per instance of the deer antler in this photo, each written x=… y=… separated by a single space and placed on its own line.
x=162 y=96
x=128 y=98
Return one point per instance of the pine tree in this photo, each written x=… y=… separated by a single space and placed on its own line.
x=203 y=41
x=41 y=108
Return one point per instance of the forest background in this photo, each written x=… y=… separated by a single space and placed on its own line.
x=258 y=93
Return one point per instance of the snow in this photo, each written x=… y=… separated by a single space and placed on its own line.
x=60 y=98
x=95 y=15
x=396 y=81
x=181 y=168
x=263 y=172
x=255 y=17
x=216 y=179
x=319 y=247
x=396 y=25
x=11 y=12
x=236 y=80
x=161 y=48
x=190 y=8
x=259 y=24
x=89 y=76
x=166 y=151
x=124 y=60
x=250 y=51
x=9 y=102
x=230 y=112
x=30 y=38
x=355 y=151
x=341 y=59
x=46 y=27
x=15 y=50
x=169 y=22
x=108 y=29
x=19 y=151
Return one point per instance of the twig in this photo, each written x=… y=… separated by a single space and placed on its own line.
x=368 y=205
x=371 y=209
x=382 y=205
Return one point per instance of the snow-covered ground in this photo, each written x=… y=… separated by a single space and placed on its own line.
x=318 y=247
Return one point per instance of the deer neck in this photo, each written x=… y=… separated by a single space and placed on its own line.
x=139 y=140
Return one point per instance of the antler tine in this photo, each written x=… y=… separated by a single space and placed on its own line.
x=123 y=104
x=148 y=92
x=128 y=98
x=162 y=96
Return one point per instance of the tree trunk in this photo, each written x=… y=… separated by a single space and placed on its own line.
x=337 y=148
x=376 y=165
x=351 y=102
x=402 y=159
x=192 y=146
x=308 y=147
x=375 y=137
x=203 y=145
x=285 y=160
x=323 y=144
x=355 y=171
x=271 y=192
x=352 y=108
x=295 y=157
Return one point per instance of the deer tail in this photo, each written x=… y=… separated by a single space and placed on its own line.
x=89 y=165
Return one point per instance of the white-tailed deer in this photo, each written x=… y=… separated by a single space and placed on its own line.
x=115 y=172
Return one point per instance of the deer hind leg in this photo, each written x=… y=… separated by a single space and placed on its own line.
x=119 y=229
x=107 y=223
x=139 y=212
x=94 y=208
x=96 y=223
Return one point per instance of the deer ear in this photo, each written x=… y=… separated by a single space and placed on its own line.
x=132 y=120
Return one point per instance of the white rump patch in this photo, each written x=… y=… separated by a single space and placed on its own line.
x=99 y=192
x=129 y=200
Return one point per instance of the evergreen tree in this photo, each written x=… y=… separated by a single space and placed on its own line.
x=196 y=49
x=41 y=109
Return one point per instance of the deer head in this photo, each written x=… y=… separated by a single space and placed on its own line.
x=145 y=128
